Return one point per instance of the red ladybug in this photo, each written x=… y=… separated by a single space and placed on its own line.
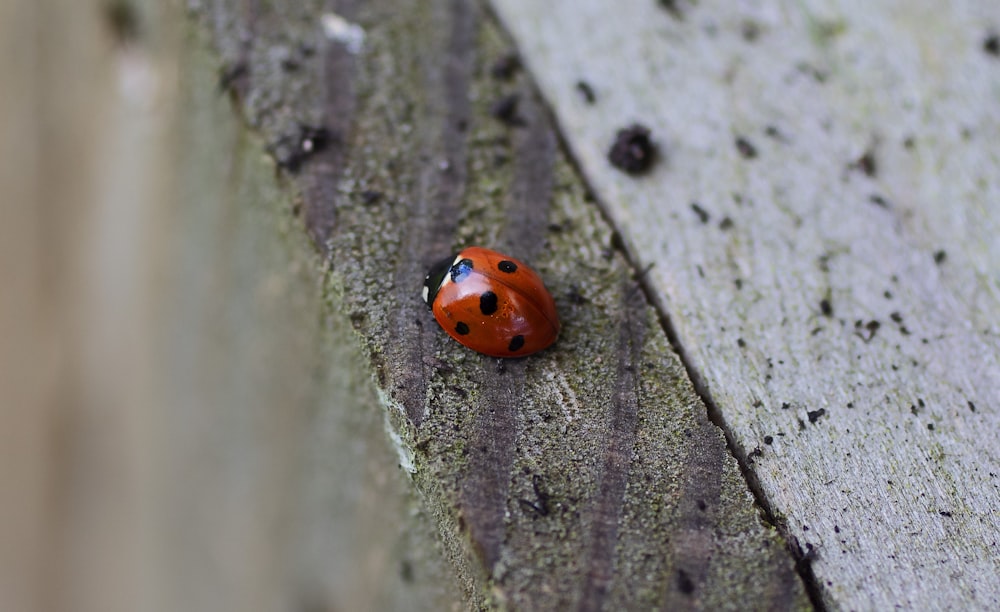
x=491 y=303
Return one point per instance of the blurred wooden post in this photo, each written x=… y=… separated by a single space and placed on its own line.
x=184 y=422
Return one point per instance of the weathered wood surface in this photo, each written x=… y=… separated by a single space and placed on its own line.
x=219 y=412
x=201 y=413
x=186 y=423
x=588 y=476
x=822 y=226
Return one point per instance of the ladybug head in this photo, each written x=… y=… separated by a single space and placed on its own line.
x=436 y=276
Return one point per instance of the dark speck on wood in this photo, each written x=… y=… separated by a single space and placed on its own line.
x=703 y=215
x=505 y=67
x=992 y=45
x=865 y=163
x=505 y=109
x=878 y=200
x=745 y=148
x=586 y=91
x=633 y=150
x=825 y=307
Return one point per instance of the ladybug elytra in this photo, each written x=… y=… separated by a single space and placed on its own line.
x=491 y=303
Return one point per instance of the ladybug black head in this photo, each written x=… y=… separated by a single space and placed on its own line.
x=435 y=276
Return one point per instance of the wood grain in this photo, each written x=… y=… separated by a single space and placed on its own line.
x=556 y=481
x=822 y=230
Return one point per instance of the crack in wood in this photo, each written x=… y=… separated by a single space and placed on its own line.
x=803 y=566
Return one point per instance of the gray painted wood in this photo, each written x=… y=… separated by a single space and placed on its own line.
x=822 y=227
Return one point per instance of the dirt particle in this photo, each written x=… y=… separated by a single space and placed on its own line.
x=972 y=406
x=940 y=256
x=768 y=440
x=633 y=150
x=586 y=91
x=745 y=148
x=703 y=215
x=773 y=132
x=506 y=67
x=878 y=200
x=866 y=331
x=291 y=150
x=991 y=45
x=575 y=297
x=726 y=224
x=826 y=307
x=684 y=582
x=865 y=163
x=814 y=415
x=232 y=75
x=671 y=7
x=505 y=109
x=750 y=30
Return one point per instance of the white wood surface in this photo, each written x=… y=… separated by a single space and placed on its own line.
x=896 y=487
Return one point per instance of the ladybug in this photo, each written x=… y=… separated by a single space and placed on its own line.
x=491 y=303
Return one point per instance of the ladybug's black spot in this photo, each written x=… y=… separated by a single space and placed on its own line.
x=462 y=328
x=507 y=266
x=488 y=303
x=461 y=270
x=515 y=343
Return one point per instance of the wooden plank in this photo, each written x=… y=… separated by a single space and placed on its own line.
x=822 y=228
x=280 y=489
x=588 y=476
x=185 y=423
